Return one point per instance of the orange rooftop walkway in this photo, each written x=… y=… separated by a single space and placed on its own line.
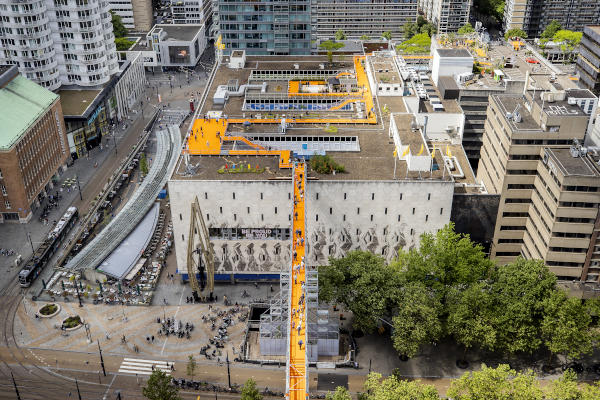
x=297 y=371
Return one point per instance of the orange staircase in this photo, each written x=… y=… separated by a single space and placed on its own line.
x=297 y=365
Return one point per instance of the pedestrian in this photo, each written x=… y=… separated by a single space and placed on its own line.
x=296 y=215
x=256 y=285
x=37 y=317
x=147 y=339
x=300 y=343
x=172 y=367
x=165 y=300
x=106 y=333
x=152 y=367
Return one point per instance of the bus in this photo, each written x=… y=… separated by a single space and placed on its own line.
x=48 y=247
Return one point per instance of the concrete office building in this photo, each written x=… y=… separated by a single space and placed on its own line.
x=447 y=15
x=549 y=187
x=534 y=16
x=33 y=145
x=588 y=61
x=265 y=28
x=62 y=42
x=192 y=12
x=135 y=14
x=370 y=18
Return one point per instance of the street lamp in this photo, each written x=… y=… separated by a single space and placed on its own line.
x=101 y=359
x=79 y=188
x=75 y=283
x=228 y=374
x=28 y=236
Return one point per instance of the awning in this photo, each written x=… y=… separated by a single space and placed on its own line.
x=125 y=257
x=135 y=269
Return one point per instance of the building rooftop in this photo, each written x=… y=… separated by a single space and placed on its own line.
x=557 y=107
x=4 y=69
x=507 y=104
x=572 y=166
x=76 y=102
x=457 y=53
x=22 y=102
x=180 y=32
x=580 y=93
x=594 y=28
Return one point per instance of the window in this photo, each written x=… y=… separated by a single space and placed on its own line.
x=317 y=196
x=221 y=210
x=317 y=217
x=344 y=196
x=183 y=238
x=411 y=231
x=357 y=231
x=413 y=211
x=344 y=217
x=441 y=211
x=330 y=231
x=207 y=217
x=234 y=196
x=330 y=210
x=289 y=196
x=400 y=196
x=426 y=218
x=206 y=195
x=358 y=210
x=248 y=210
x=429 y=196
x=275 y=210
x=398 y=217
x=262 y=217
x=235 y=217
x=261 y=196
x=7 y=204
x=371 y=217
x=385 y=211
x=372 y=196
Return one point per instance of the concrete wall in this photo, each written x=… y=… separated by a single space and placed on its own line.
x=379 y=216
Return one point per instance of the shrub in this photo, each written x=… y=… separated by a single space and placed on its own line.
x=331 y=129
x=325 y=164
x=48 y=309
x=72 y=322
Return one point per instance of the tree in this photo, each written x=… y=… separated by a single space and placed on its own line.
x=123 y=44
x=568 y=40
x=107 y=217
x=331 y=45
x=515 y=32
x=340 y=35
x=330 y=56
x=417 y=321
x=518 y=291
x=417 y=44
x=469 y=319
x=499 y=383
x=341 y=393
x=409 y=29
x=365 y=37
x=492 y=8
x=428 y=29
x=444 y=260
x=144 y=164
x=565 y=326
x=191 y=366
x=468 y=28
x=249 y=391
x=160 y=388
x=567 y=388
x=387 y=35
x=363 y=283
x=118 y=28
x=551 y=29
x=342 y=58
x=395 y=388
x=421 y=21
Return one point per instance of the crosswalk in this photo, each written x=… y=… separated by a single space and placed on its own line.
x=143 y=367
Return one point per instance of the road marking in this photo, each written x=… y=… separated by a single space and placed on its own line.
x=181 y=298
x=143 y=367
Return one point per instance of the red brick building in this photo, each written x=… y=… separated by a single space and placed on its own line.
x=33 y=144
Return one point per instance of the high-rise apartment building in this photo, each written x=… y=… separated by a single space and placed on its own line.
x=549 y=185
x=588 y=61
x=370 y=18
x=33 y=144
x=533 y=16
x=447 y=15
x=281 y=28
x=135 y=14
x=192 y=12
x=59 y=42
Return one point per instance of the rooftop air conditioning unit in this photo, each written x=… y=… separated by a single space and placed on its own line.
x=572 y=101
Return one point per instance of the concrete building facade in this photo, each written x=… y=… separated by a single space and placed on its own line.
x=447 y=15
x=533 y=16
x=33 y=149
x=588 y=60
x=135 y=14
x=62 y=42
x=370 y=18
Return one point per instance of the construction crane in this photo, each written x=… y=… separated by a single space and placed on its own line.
x=199 y=244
